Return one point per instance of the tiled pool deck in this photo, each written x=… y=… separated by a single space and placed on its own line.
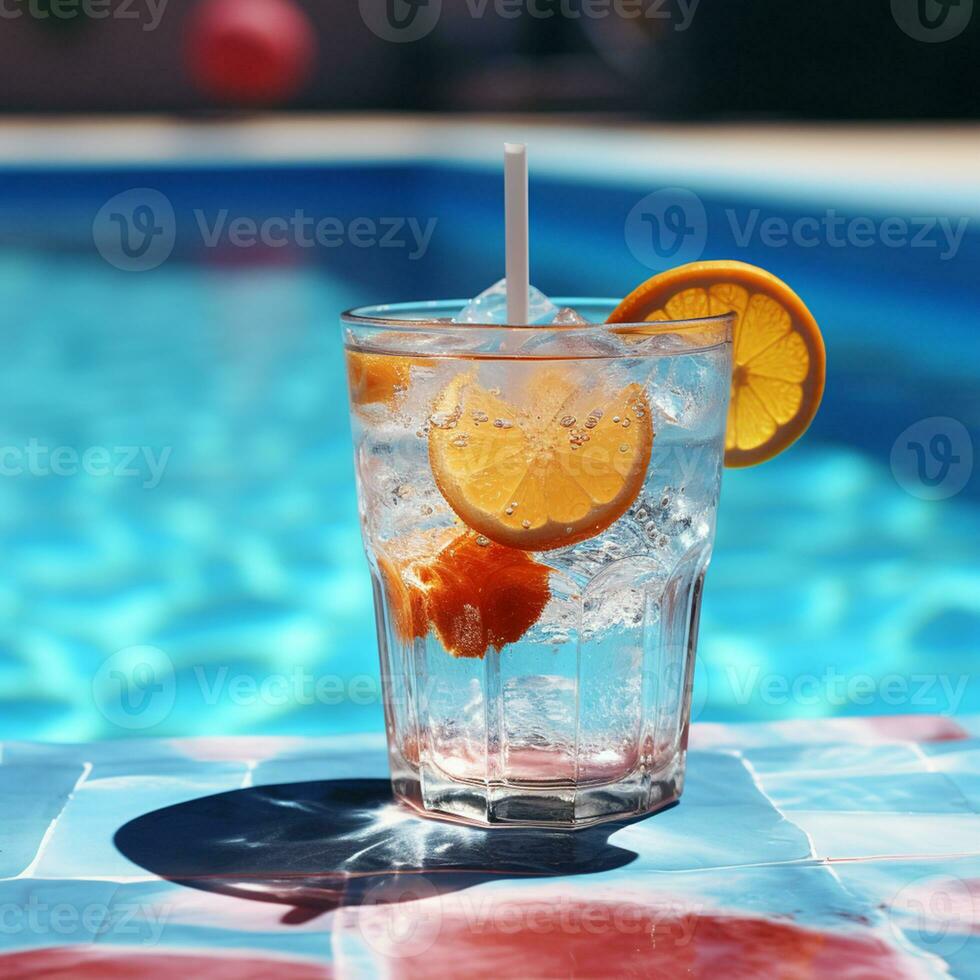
x=847 y=848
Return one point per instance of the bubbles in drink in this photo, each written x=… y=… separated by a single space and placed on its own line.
x=566 y=394
x=444 y=420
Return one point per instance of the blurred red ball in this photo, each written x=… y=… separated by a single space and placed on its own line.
x=249 y=51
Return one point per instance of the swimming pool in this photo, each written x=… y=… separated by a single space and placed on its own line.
x=176 y=461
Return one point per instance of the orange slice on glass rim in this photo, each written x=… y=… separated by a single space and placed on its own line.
x=779 y=357
x=556 y=469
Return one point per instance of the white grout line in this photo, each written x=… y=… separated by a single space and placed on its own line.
x=28 y=872
x=758 y=785
x=881 y=920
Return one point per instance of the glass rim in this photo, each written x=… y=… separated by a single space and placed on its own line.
x=375 y=316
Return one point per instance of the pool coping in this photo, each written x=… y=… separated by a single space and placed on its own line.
x=876 y=166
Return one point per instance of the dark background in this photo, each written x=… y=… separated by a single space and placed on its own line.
x=728 y=59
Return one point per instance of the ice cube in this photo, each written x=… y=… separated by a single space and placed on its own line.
x=688 y=389
x=491 y=306
x=671 y=404
x=567 y=317
x=574 y=341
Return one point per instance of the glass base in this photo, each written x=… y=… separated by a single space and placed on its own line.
x=561 y=806
x=552 y=734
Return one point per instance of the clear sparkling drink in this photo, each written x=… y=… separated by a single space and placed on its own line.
x=538 y=508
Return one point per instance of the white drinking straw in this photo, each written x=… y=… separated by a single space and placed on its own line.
x=518 y=261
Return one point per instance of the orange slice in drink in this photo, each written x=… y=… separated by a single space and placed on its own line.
x=476 y=594
x=779 y=357
x=556 y=469
x=379 y=378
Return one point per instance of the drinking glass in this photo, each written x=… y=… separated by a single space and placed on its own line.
x=537 y=681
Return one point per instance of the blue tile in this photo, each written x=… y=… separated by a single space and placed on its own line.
x=57 y=912
x=701 y=837
x=747 y=839
x=934 y=905
x=720 y=779
x=840 y=758
x=33 y=796
x=914 y=792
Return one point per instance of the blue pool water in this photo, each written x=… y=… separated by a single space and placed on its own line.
x=226 y=539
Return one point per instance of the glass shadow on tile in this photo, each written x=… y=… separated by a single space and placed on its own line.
x=317 y=846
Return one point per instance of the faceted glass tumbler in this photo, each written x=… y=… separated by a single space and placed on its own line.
x=585 y=716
